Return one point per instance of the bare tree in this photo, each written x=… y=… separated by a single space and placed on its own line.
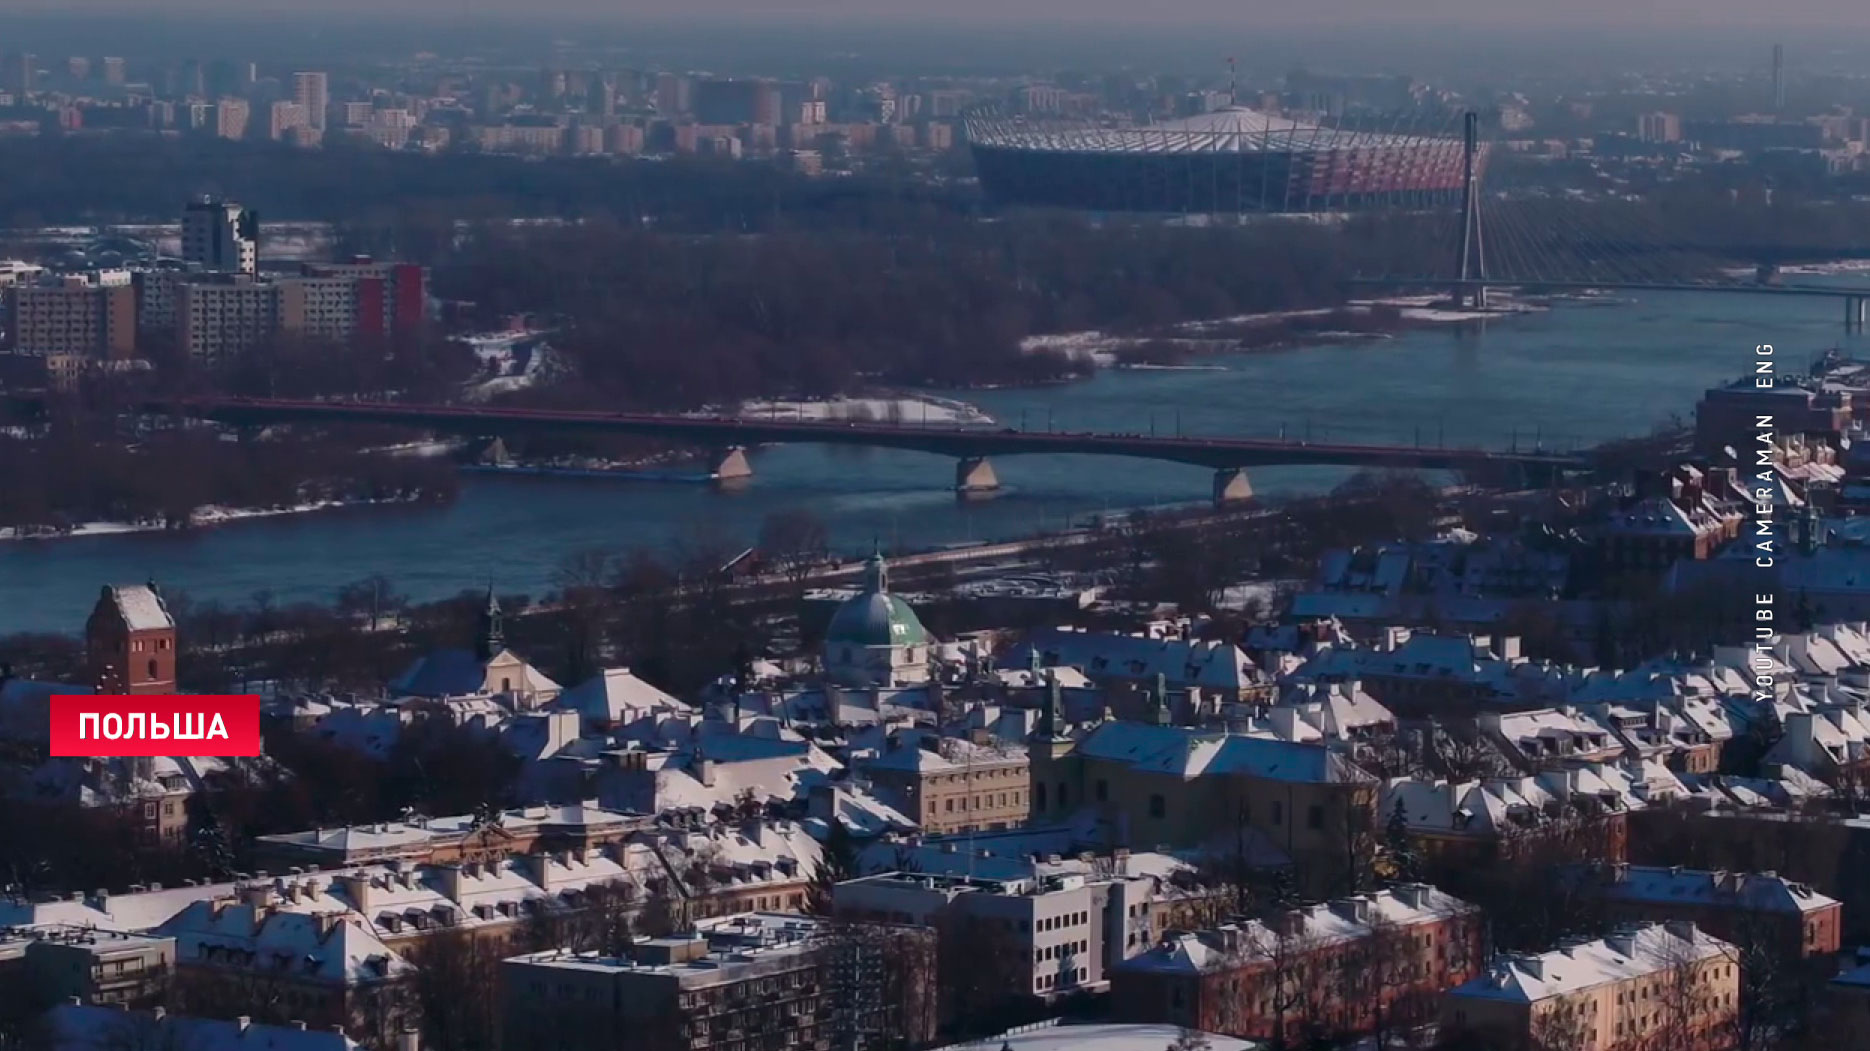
x=1686 y=1010
x=881 y=980
x=984 y=976
x=455 y=990
x=1561 y=1024
x=1276 y=972
x=1381 y=977
x=795 y=539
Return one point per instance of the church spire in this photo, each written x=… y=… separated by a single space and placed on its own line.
x=492 y=637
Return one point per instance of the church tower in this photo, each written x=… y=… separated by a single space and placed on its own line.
x=491 y=638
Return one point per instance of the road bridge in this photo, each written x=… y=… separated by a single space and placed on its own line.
x=972 y=446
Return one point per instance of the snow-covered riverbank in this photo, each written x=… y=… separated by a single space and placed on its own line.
x=1264 y=331
x=203 y=517
x=919 y=408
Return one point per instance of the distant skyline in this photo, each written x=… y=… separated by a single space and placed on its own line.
x=1676 y=15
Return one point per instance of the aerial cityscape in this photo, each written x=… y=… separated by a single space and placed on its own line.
x=741 y=530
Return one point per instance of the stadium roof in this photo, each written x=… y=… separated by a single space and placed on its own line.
x=1235 y=129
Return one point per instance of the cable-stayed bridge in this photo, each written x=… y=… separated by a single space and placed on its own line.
x=1543 y=240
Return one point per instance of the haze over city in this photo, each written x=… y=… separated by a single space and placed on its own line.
x=705 y=525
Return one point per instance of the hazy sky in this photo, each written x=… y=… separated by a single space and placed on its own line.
x=1234 y=14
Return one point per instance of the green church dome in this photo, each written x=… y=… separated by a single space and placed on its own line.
x=876 y=617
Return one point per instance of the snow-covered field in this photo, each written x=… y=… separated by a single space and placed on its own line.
x=517 y=360
x=1263 y=594
x=918 y=409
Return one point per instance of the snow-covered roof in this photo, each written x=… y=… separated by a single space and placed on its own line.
x=141 y=607
x=459 y=673
x=1633 y=952
x=616 y=695
x=1104 y=1036
x=1314 y=926
x=381 y=899
x=922 y=751
x=1192 y=753
x=84 y=1027
x=328 y=947
x=1210 y=665
x=1753 y=891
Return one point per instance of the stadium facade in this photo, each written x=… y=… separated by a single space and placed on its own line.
x=1231 y=161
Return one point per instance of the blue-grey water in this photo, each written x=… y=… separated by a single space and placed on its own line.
x=1580 y=373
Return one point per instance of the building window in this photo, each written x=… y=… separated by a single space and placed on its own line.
x=152 y=667
x=1158 y=807
x=1315 y=817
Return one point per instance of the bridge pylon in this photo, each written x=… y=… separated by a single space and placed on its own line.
x=1471 y=264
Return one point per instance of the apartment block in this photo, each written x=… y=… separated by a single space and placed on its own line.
x=89 y=316
x=222 y=316
x=1645 y=986
x=311 y=92
x=1750 y=908
x=1074 y=927
x=318 y=308
x=751 y=982
x=61 y=963
x=391 y=298
x=1336 y=968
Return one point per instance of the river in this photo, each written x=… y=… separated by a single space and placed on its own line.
x=1583 y=372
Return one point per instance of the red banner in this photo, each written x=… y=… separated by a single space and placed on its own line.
x=155 y=724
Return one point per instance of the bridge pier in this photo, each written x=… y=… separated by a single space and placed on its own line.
x=1231 y=486
x=728 y=467
x=1854 y=313
x=974 y=476
x=1470 y=295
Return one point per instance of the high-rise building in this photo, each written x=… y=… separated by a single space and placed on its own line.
x=221 y=235
x=737 y=102
x=285 y=117
x=194 y=79
x=672 y=94
x=229 y=78
x=78 y=67
x=1659 y=127
x=312 y=91
x=21 y=73
x=231 y=117
x=113 y=71
x=1779 y=77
